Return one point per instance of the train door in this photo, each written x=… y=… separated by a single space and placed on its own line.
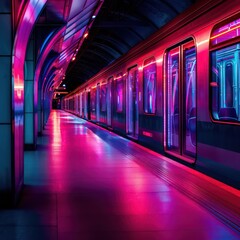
x=109 y=101
x=181 y=101
x=132 y=103
x=85 y=106
x=98 y=103
x=80 y=105
x=103 y=103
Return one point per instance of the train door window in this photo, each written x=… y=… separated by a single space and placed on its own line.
x=76 y=103
x=132 y=103
x=149 y=85
x=80 y=105
x=189 y=100
x=225 y=65
x=98 y=102
x=83 y=103
x=93 y=103
x=119 y=95
x=86 y=103
x=103 y=97
x=109 y=101
x=73 y=103
x=181 y=101
x=173 y=99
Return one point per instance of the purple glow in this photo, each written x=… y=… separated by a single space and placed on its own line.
x=20 y=45
x=103 y=98
x=181 y=115
x=26 y=23
x=120 y=94
x=226 y=32
x=149 y=81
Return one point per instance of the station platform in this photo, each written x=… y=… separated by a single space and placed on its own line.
x=87 y=183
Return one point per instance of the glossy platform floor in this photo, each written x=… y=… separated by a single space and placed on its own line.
x=85 y=183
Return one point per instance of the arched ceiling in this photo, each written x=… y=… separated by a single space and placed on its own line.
x=119 y=25
x=112 y=28
x=58 y=35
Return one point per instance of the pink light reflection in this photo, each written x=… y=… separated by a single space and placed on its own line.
x=25 y=26
x=57 y=139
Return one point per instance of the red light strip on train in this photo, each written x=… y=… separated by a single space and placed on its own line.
x=148 y=134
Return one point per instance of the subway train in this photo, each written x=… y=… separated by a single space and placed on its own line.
x=177 y=92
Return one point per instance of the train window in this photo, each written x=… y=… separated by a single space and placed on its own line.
x=119 y=89
x=81 y=104
x=86 y=103
x=93 y=100
x=225 y=82
x=103 y=97
x=149 y=85
x=225 y=32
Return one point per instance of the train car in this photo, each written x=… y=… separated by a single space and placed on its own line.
x=178 y=92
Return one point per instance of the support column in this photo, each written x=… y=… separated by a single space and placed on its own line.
x=6 y=138
x=30 y=128
x=12 y=59
x=40 y=110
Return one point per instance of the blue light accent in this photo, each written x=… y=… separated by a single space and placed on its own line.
x=46 y=41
